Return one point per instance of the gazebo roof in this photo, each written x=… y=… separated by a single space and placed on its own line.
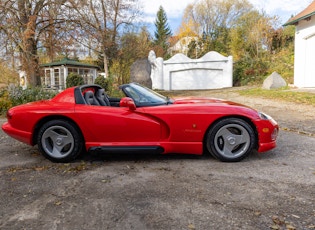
x=306 y=13
x=69 y=62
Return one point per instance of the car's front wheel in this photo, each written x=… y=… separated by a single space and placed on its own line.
x=230 y=140
x=60 y=141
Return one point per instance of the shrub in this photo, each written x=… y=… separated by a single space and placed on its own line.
x=19 y=96
x=13 y=96
x=104 y=82
x=5 y=103
x=249 y=71
x=74 y=80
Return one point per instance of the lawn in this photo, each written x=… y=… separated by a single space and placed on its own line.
x=297 y=96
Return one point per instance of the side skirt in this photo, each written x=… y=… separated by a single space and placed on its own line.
x=128 y=149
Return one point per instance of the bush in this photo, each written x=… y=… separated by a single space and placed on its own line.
x=104 y=82
x=249 y=71
x=5 y=103
x=74 y=80
x=16 y=96
x=19 y=96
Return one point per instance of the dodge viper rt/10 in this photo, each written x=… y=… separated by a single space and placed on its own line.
x=84 y=118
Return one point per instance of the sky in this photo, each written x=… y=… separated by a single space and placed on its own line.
x=174 y=9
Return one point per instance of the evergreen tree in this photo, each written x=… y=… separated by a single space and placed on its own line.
x=163 y=31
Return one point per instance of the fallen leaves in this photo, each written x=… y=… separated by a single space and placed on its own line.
x=58 y=203
x=313 y=169
x=280 y=223
x=73 y=167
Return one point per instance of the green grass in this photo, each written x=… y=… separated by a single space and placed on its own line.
x=307 y=98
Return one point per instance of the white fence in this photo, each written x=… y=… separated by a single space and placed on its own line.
x=212 y=71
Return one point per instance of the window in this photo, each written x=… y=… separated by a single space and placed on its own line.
x=47 y=80
x=72 y=70
x=56 y=78
x=62 y=78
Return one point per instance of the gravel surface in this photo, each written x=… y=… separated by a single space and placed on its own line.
x=274 y=190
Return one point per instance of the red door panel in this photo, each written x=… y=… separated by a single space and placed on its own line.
x=115 y=124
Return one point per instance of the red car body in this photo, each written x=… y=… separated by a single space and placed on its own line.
x=179 y=127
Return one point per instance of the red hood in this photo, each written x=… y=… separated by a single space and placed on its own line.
x=203 y=100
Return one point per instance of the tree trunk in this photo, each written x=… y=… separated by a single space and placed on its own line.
x=31 y=67
x=30 y=62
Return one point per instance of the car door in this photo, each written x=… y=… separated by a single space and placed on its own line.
x=116 y=125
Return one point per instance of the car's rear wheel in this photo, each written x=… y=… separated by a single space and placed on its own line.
x=60 y=141
x=230 y=140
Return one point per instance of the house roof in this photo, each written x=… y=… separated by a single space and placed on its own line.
x=69 y=62
x=306 y=13
x=173 y=39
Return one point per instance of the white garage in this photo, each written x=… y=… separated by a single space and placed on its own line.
x=304 y=53
x=212 y=71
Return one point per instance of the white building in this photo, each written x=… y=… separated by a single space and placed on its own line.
x=304 y=53
x=181 y=45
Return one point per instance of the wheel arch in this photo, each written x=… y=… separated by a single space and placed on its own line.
x=246 y=119
x=46 y=119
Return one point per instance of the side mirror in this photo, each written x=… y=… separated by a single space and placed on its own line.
x=127 y=102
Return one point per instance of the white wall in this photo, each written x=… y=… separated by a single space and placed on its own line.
x=212 y=71
x=304 y=54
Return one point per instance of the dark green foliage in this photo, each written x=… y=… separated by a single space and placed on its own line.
x=5 y=103
x=16 y=96
x=104 y=82
x=163 y=31
x=133 y=46
x=19 y=96
x=74 y=80
x=247 y=71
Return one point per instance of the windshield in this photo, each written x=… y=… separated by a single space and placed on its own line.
x=143 y=96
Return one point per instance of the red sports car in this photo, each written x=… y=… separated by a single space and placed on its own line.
x=85 y=118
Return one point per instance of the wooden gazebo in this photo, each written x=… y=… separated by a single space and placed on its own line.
x=55 y=73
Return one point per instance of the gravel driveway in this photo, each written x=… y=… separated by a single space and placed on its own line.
x=274 y=190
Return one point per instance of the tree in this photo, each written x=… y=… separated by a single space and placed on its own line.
x=163 y=31
x=235 y=27
x=7 y=74
x=252 y=35
x=133 y=46
x=55 y=40
x=189 y=26
x=213 y=19
x=251 y=43
x=282 y=52
x=23 y=23
x=100 y=23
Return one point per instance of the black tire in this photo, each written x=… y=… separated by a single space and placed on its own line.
x=230 y=140
x=60 y=141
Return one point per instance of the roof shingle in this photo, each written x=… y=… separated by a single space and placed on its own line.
x=68 y=62
x=306 y=13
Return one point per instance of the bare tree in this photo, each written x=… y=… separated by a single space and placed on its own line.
x=54 y=31
x=210 y=16
x=100 y=22
x=22 y=23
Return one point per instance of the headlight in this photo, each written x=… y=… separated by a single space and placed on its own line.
x=264 y=116
x=274 y=134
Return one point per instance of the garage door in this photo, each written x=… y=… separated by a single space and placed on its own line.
x=197 y=79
